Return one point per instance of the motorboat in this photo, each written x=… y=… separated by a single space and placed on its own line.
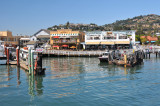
x=3 y=58
x=104 y=57
x=24 y=53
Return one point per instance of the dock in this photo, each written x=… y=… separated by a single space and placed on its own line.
x=22 y=64
x=68 y=53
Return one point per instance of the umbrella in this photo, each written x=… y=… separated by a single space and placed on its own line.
x=73 y=47
x=56 y=37
x=64 y=45
x=55 y=46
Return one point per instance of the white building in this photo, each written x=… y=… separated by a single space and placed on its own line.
x=95 y=39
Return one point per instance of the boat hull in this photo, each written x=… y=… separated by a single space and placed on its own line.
x=3 y=60
x=103 y=59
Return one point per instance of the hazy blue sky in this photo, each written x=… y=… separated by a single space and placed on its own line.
x=28 y=16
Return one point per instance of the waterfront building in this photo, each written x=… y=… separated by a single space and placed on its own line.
x=32 y=44
x=43 y=36
x=150 y=39
x=66 y=38
x=24 y=40
x=9 y=39
x=109 y=39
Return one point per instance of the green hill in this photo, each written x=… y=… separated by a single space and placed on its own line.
x=143 y=24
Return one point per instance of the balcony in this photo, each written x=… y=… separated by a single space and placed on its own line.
x=65 y=41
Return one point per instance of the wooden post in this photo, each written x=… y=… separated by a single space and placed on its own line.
x=146 y=54
x=32 y=62
x=29 y=60
x=125 y=60
x=5 y=51
x=156 y=54
x=7 y=56
x=17 y=53
x=149 y=55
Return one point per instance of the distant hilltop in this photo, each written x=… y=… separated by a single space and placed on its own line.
x=143 y=24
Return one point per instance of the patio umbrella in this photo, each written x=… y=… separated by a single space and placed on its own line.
x=56 y=37
x=55 y=46
x=64 y=45
x=72 y=47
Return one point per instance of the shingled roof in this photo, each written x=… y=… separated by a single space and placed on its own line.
x=47 y=31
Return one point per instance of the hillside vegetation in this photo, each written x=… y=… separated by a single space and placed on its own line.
x=144 y=24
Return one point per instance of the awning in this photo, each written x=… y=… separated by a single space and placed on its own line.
x=153 y=41
x=137 y=41
x=64 y=45
x=56 y=37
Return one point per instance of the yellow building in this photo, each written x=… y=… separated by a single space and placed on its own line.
x=66 y=38
x=8 y=39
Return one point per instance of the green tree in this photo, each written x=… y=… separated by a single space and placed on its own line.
x=49 y=29
x=67 y=25
x=143 y=40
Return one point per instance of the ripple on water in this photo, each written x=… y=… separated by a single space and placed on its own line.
x=82 y=81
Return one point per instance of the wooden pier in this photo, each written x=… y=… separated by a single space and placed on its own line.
x=67 y=53
x=22 y=64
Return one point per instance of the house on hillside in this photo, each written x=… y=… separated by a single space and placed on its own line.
x=150 y=39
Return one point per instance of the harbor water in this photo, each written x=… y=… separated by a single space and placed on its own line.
x=77 y=81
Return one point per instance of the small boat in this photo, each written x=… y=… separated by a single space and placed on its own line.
x=104 y=57
x=24 y=53
x=3 y=58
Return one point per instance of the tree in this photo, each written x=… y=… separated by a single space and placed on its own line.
x=49 y=29
x=67 y=24
x=158 y=41
x=143 y=40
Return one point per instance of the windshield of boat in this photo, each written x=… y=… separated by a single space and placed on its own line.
x=105 y=53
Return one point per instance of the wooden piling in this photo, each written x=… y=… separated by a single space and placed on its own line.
x=156 y=54
x=125 y=60
x=29 y=60
x=146 y=54
x=32 y=63
x=149 y=55
x=17 y=53
x=7 y=56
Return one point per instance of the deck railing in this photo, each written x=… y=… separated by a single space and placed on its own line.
x=78 y=53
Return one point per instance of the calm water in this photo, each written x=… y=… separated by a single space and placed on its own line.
x=82 y=82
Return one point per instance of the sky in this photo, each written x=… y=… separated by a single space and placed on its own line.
x=26 y=17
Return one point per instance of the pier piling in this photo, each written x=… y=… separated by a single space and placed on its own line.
x=7 y=56
x=29 y=60
x=32 y=63
x=156 y=54
x=17 y=53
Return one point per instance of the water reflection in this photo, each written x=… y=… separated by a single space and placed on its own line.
x=39 y=85
x=18 y=76
x=63 y=67
x=35 y=84
x=113 y=70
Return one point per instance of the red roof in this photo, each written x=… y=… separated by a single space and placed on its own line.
x=56 y=37
x=150 y=38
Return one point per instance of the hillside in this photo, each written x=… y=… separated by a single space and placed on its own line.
x=144 y=24
x=148 y=24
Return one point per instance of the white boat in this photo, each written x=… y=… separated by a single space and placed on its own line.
x=24 y=54
x=104 y=57
x=3 y=58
